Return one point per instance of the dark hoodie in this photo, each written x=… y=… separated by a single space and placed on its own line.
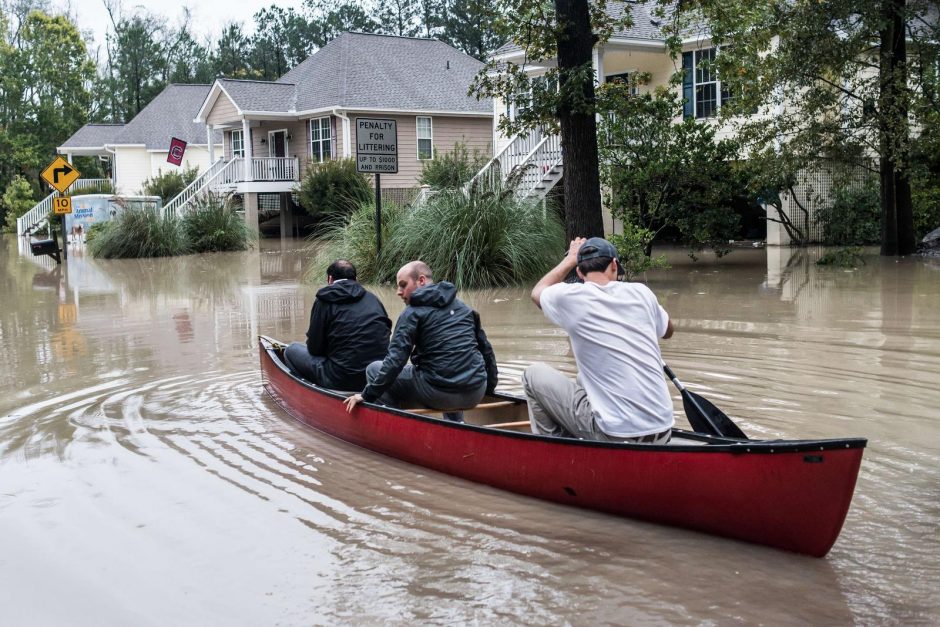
x=445 y=341
x=348 y=326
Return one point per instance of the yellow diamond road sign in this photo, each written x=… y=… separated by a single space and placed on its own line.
x=60 y=174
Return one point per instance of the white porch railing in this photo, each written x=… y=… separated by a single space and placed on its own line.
x=29 y=220
x=512 y=155
x=193 y=188
x=274 y=169
x=540 y=168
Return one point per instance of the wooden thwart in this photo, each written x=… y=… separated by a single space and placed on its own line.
x=493 y=405
x=509 y=425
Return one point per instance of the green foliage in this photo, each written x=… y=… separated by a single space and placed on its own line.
x=846 y=257
x=854 y=217
x=452 y=169
x=486 y=238
x=167 y=185
x=17 y=199
x=664 y=175
x=632 y=247
x=96 y=229
x=925 y=177
x=333 y=188
x=211 y=226
x=140 y=233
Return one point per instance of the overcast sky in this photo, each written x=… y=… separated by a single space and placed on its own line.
x=208 y=16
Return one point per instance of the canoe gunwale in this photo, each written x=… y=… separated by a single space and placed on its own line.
x=714 y=444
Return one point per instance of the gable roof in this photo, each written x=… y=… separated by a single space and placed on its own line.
x=259 y=95
x=646 y=26
x=168 y=115
x=360 y=70
x=92 y=136
x=363 y=71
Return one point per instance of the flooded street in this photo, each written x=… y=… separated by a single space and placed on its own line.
x=146 y=479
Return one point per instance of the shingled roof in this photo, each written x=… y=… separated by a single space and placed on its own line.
x=92 y=136
x=646 y=26
x=360 y=70
x=365 y=71
x=168 y=115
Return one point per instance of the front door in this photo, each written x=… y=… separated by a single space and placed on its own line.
x=277 y=143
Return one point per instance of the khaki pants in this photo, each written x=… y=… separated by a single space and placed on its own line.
x=559 y=406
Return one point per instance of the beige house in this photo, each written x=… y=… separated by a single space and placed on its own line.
x=274 y=130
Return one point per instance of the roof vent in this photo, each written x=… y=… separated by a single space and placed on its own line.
x=448 y=65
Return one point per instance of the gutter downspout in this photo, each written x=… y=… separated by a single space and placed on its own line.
x=347 y=140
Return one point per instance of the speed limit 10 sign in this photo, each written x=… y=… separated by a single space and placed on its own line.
x=62 y=204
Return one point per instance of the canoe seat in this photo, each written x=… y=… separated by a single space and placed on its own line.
x=493 y=405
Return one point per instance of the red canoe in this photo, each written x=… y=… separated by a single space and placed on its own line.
x=788 y=494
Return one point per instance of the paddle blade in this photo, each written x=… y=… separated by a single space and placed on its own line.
x=706 y=418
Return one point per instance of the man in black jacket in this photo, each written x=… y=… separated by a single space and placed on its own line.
x=349 y=329
x=452 y=362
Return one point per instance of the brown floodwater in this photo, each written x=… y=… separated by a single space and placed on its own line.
x=146 y=479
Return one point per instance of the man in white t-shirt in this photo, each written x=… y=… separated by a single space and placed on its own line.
x=614 y=328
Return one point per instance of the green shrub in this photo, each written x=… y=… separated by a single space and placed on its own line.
x=333 y=188
x=211 y=225
x=481 y=239
x=140 y=233
x=17 y=199
x=854 y=217
x=452 y=169
x=168 y=185
x=632 y=249
x=846 y=257
x=96 y=229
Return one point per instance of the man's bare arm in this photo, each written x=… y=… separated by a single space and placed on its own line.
x=559 y=272
x=670 y=329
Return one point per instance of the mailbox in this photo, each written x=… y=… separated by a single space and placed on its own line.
x=44 y=246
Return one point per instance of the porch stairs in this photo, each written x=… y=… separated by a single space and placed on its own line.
x=220 y=173
x=530 y=163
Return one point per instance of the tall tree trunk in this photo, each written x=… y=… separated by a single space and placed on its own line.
x=897 y=226
x=583 y=216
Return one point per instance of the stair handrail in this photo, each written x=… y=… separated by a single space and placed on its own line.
x=190 y=190
x=230 y=165
x=546 y=157
x=29 y=220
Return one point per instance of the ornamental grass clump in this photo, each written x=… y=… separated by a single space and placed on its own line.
x=211 y=225
x=140 y=232
x=484 y=238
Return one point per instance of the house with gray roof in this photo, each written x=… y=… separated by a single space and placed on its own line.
x=307 y=116
x=138 y=150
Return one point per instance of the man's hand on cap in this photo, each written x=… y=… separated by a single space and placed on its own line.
x=575 y=246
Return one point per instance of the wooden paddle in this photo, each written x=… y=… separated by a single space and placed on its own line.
x=703 y=416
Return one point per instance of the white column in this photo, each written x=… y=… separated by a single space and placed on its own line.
x=211 y=144
x=246 y=139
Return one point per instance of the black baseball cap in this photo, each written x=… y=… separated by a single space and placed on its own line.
x=598 y=247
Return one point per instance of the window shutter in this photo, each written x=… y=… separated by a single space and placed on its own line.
x=688 y=107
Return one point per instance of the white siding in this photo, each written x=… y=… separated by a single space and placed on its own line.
x=131 y=169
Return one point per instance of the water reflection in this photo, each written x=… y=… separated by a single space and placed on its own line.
x=131 y=418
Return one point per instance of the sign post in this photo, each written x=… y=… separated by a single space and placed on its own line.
x=377 y=153
x=60 y=174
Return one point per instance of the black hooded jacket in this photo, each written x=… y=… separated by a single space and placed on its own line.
x=348 y=326
x=444 y=340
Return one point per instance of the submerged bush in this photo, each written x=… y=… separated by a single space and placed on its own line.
x=854 y=217
x=481 y=239
x=96 y=229
x=632 y=248
x=168 y=185
x=212 y=225
x=333 y=188
x=140 y=232
x=452 y=169
x=846 y=257
x=17 y=199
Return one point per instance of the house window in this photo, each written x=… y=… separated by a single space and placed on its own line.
x=321 y=140
x=701 y=88
x=238 y=144
x=623 y=78
x=425 y=138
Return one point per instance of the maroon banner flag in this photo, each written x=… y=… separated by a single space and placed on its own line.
x=177 y=148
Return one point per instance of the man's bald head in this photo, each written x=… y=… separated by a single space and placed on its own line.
x=412 y=275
